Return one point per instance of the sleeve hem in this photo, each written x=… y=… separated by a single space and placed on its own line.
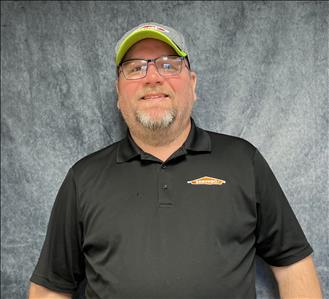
x=291 y=259
x=52 y=285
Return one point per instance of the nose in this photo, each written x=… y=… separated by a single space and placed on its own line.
x=152 y=75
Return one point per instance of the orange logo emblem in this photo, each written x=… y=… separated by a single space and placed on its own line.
x=206 y=180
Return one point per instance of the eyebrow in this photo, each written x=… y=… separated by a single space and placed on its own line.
x=147 y=59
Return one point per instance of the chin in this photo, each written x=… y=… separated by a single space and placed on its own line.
x=155 y=122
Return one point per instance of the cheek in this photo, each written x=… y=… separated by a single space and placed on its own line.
x=127 y=91
x=184 y=94
x=127 y=100
x=124 y=104
x=124 y=94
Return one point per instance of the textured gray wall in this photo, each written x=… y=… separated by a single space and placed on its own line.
x=262 y=70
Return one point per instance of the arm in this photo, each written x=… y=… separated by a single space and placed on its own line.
x=298 y=280
x=38 y=292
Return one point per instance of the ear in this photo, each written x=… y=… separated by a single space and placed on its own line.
x=117 y=86
x=193 y=77
x=117 y=89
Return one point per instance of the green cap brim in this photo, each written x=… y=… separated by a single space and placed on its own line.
x=136 y=36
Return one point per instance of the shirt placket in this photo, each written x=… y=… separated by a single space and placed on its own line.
x=165 y=198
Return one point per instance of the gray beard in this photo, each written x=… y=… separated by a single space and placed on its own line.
x=164 y=123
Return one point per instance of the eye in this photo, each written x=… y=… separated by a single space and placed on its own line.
x=134 y=67
x=167 y=66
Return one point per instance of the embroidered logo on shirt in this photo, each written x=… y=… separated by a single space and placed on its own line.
x=206 y=180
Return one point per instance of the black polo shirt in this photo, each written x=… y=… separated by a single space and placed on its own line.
x=135 y=227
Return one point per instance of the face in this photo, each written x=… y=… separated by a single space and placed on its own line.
x=155 y=102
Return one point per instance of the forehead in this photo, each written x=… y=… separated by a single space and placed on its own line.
x=147 y=47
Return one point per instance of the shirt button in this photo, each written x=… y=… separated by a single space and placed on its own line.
x=163 y=166
x=165 y=187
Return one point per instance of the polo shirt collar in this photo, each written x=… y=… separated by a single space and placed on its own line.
x=198 y=140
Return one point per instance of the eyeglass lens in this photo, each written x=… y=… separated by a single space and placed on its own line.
x=166 y=66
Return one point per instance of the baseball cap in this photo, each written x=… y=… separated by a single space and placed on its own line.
x=150 y=30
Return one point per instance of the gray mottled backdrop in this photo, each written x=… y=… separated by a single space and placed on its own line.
x=262 y=75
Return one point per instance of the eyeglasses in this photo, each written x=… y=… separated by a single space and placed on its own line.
x=166 y=66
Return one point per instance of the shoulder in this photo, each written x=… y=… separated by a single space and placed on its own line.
x=96 y=161
x=231 y=145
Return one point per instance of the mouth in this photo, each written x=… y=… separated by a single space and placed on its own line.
x=155 y=97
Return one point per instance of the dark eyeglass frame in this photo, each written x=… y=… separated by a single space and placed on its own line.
x=119 y=68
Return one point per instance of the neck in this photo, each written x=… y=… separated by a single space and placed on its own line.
x=161 y=143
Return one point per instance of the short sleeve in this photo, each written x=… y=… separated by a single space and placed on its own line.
x=61 y=265
x=280 y=240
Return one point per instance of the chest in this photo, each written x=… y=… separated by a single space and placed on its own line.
x=171 y=203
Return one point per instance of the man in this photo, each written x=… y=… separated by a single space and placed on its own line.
x=171 y=211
